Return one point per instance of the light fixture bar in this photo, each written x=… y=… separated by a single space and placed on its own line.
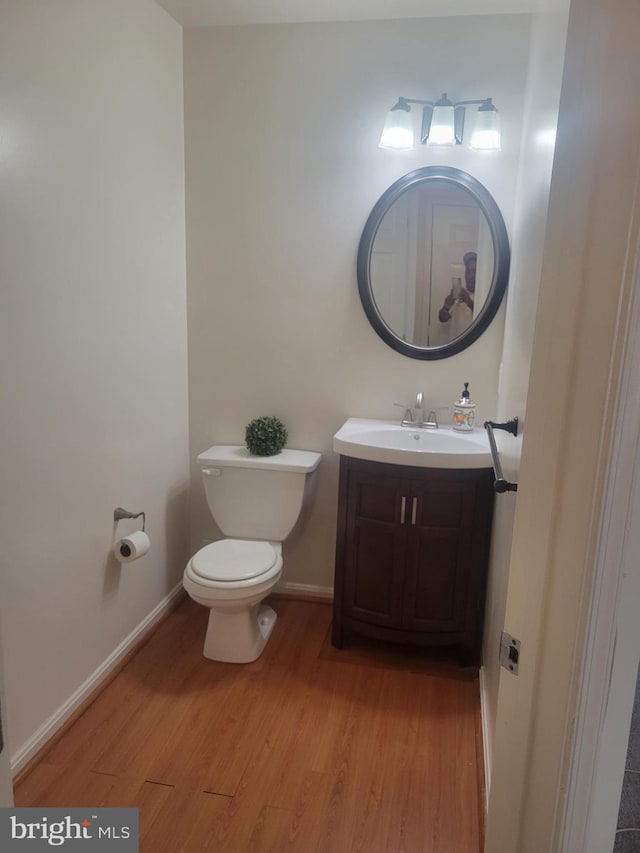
x=478 y=101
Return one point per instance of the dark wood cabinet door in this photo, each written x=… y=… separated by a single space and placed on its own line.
x=375 y=548
x=439 y=564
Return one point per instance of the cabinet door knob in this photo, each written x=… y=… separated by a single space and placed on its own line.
x=414 y=510
x=403 y=509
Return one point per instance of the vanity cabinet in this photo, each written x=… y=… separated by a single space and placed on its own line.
x=411 y=554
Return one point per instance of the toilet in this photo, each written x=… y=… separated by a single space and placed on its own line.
x=257 y=502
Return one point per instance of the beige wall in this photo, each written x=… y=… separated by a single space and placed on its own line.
x=6 y=788
x=92 y=337
x=282 y=125
x=548 y=37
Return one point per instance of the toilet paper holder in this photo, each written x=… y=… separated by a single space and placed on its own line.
x=119 y=513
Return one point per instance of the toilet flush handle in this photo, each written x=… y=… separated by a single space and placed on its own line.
x=211 y=472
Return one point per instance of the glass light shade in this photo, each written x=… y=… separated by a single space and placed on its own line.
x=442 y=129
x=486 y=133
x=398 y=130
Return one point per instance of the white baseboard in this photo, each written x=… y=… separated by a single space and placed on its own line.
x=486 y=746
x=57 y=719
x=304 y=590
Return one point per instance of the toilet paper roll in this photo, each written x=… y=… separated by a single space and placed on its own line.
x=129 y=548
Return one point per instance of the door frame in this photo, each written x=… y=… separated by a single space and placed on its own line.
x=612 y=649
x=575 y=389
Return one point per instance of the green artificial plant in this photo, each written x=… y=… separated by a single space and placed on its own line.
x=265 y=436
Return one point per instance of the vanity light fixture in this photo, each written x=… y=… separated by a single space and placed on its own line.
x=442 y=124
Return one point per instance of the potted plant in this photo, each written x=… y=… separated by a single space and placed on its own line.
x=265 y=436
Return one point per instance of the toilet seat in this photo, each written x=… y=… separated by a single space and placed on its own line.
x=233 y=560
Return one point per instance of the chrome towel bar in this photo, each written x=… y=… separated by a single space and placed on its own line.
x=501 y=485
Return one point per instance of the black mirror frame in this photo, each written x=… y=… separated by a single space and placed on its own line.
x=500 y=267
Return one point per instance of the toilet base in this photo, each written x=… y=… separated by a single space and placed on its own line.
x=238 y=636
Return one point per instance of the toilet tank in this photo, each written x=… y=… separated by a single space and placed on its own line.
x=257 y=497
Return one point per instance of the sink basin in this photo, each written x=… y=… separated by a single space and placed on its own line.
x=387 y=441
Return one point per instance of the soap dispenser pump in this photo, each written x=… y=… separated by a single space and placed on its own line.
x=464 y=411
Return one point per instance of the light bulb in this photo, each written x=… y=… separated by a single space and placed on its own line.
x=442 y=128
x=397 y=133
x=486 y=133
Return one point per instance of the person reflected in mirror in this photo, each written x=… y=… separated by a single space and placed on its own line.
x=459 y=303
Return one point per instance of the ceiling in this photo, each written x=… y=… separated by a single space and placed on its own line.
x=203 y=13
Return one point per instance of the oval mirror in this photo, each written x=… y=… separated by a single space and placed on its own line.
x=433 y=262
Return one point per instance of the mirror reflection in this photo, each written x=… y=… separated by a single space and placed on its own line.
x=431 y=263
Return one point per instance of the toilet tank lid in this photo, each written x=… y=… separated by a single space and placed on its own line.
x=237 y=456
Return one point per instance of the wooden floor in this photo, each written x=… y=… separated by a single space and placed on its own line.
x=307 y=749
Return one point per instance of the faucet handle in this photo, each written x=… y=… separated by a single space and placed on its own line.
x=432 y=418
x=407 y=418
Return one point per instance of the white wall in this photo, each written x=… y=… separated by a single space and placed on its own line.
x=548 y=37
x=282 y=124
x=93 y=335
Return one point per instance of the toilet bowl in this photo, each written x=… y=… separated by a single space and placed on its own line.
x=262 y=499
x=231 y=577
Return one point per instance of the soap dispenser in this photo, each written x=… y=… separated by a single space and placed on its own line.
x=464 y=411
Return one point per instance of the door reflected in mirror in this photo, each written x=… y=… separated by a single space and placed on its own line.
x=433 y=262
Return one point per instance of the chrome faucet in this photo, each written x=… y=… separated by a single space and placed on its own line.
x=414 y=416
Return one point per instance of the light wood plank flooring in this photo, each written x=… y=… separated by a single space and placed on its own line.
x=369 y=749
